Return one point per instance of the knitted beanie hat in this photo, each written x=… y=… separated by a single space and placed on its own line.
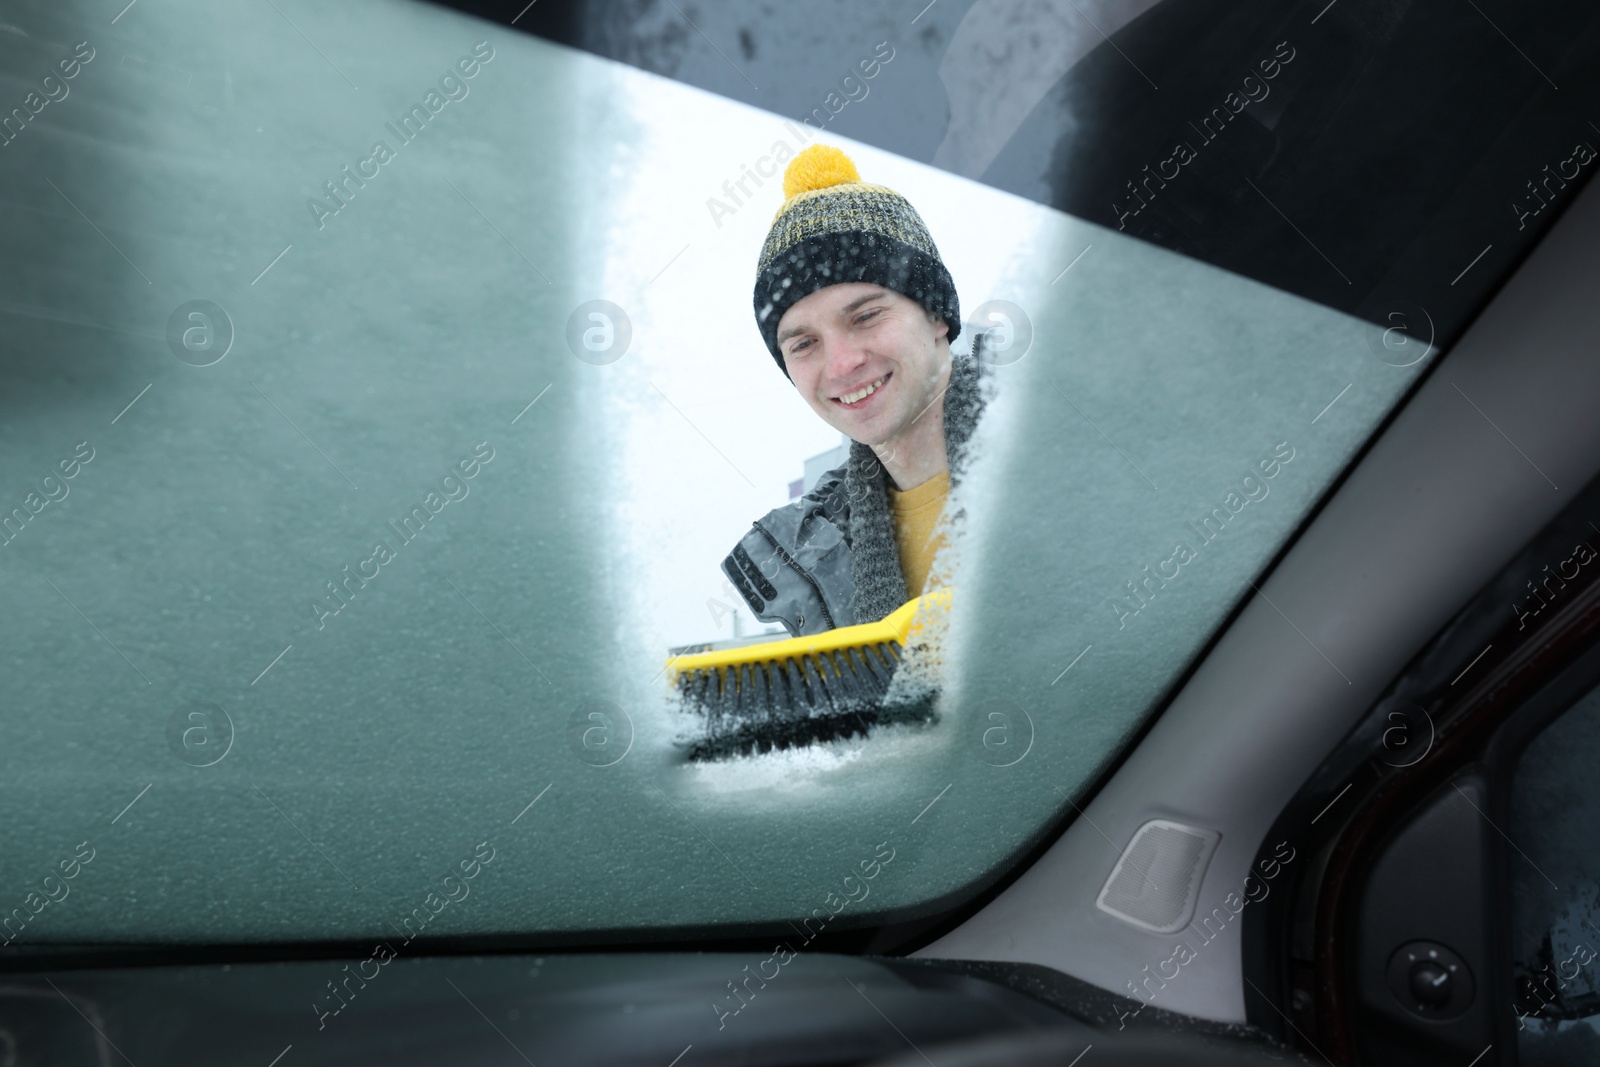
x=832 y=228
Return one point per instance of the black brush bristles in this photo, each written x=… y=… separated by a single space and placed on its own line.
x=761 y=705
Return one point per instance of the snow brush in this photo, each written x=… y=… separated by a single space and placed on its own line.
x=800 y=690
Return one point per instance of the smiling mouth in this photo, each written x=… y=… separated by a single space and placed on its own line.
x=859 y=396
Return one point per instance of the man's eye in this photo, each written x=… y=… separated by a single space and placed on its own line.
x=868 y=315
x=796 y=349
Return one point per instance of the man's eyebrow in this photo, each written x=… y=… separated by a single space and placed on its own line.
x=847 y=309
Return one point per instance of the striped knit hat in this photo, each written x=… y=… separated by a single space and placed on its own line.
x=832 y=228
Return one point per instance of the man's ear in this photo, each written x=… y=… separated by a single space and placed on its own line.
x=941 y=327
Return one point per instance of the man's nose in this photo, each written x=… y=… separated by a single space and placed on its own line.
x=845 y=357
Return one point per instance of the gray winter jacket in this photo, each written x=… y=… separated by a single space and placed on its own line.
x=830 y=559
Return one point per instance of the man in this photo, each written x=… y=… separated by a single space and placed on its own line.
x=858 y=311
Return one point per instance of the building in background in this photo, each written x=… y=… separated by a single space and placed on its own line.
x=818 y=465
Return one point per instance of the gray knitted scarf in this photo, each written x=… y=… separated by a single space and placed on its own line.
x=880 y=587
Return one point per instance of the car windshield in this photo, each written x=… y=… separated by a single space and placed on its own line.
x=382 y=397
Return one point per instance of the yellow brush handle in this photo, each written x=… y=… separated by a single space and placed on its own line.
x=898 y=626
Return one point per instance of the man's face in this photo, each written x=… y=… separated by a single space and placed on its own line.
x=867 y=359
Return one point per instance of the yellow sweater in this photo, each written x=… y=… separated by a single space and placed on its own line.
x=916 y=513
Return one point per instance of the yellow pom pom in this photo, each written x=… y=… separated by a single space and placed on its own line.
x=817 y=167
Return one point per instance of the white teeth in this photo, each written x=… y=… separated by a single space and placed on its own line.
x=864 y=392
